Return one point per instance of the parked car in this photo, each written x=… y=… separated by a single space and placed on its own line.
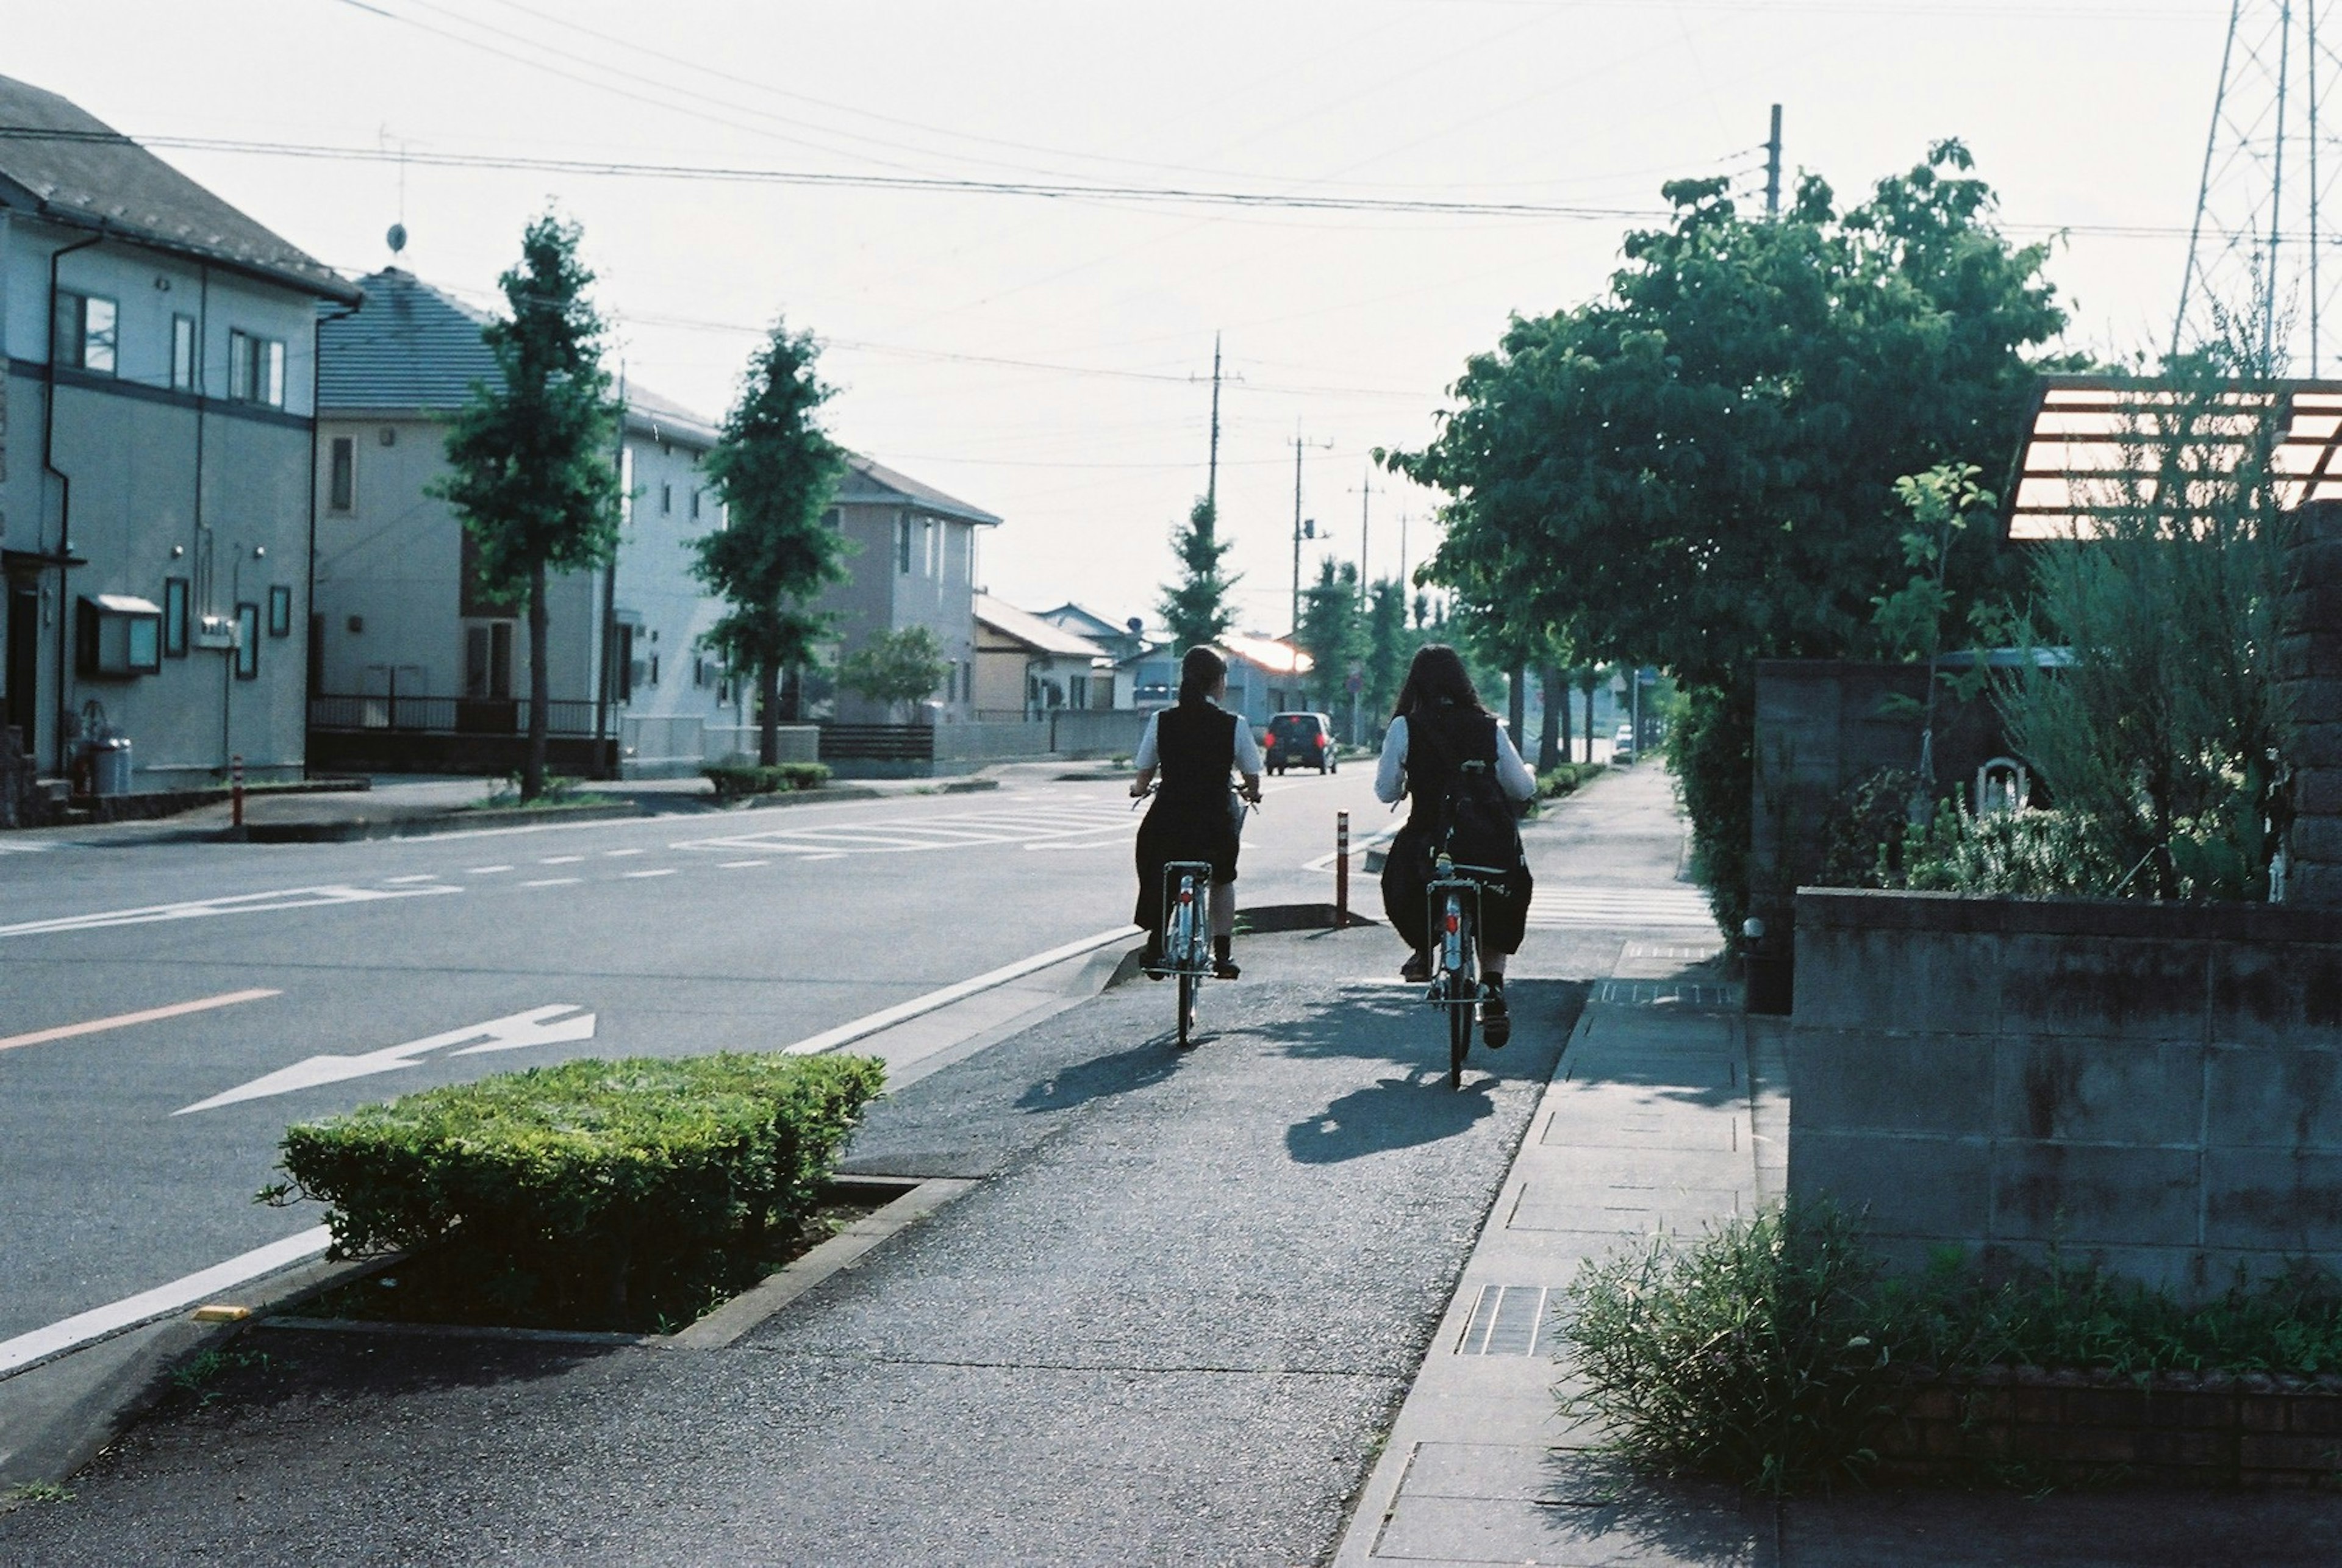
x=1301 y=741
x=1622 y=744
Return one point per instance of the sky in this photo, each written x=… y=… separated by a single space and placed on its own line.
x=1047 y=357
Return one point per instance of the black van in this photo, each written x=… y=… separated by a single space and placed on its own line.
x=1301 y=741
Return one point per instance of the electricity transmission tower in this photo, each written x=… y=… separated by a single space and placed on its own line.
x=2258 y=283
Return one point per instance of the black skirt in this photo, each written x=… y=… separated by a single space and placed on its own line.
x=1166 y=835
x=1407 y=877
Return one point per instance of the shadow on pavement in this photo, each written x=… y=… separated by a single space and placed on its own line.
x=272 y=1367
x=1139 y=1066
x=1391 y=1113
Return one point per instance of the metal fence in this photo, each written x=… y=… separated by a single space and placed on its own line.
x=449 y=715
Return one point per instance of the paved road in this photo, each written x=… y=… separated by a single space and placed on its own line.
x=1169 y=1325
x=676 y=934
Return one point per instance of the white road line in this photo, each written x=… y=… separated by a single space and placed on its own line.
x=554 y=882
x=887 y=1017
x=1374 y=840
x=102 y=1323
x=637 y=875
x=418 y=877
x=833 y=854
x=240 y=903
x=739 y=864
x=561 y=860
x=485 y=870
x=124 y=1019
x=25 y=848
x=615 y=854
x=1120 y=840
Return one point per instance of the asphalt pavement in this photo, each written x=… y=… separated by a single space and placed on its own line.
x=665 y=935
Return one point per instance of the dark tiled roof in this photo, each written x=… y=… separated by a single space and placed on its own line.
x=411 y=347
x=90 y=176
x=867 y=480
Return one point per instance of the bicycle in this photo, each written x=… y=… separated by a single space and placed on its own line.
x=1187 y=954
x=1452 y=906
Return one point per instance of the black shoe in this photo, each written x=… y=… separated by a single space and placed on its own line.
x=1416 y=970
x=1151 y=963
x=1495 y=1023
x=1225 y=969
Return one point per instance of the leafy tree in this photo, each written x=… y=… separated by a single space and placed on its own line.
x=1697 y=469
x=1389 y=645
x=1331 y=633
x=774 y=470
x=2158 y=724
x=1197 y=608
x=532 y=463
x=895 y=667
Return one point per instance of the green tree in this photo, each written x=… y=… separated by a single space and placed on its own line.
x=895 y=667
x=1332 y=633
x=1389 y=645
x=532 y=463
x=774 y=470
x=1696 y=470
x=1196 y=608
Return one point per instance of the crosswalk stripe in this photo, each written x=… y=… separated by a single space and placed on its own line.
x=1618 y=906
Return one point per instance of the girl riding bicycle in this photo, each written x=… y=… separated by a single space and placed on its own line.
x=1440 y=725
x=1193 y=817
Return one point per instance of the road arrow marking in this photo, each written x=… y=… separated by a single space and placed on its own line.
x=537 y=1026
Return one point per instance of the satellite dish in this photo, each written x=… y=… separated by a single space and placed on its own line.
x=398 y=238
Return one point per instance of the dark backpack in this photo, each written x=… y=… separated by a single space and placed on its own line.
x=1477 y=826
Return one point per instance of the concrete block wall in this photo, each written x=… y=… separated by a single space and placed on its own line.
x=2309 y=670
x=2157 y=1087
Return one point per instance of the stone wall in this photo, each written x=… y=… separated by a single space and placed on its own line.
x=2309 y=668
x=1821 y=727
x=2156 y=1085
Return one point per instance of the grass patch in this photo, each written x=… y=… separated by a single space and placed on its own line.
x=590 y=1194
x=1566 y=779
x=1769 y=1352
x=39 y=1492
x=197 y=1377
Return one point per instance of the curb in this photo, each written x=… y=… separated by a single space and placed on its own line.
x=98 y=1417
x=357 y=829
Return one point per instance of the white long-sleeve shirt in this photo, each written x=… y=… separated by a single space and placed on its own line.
x=1513 y=776
x=1150 y=753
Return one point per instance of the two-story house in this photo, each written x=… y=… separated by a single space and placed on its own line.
x=418 y=668
x=912 y=561
x=156 y=446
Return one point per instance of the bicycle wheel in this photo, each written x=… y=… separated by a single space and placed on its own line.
x=1459 y=1041
x=1186 y=1012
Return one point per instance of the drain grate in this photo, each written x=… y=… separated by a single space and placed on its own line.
x=1666 y=994
x=1506 y=1320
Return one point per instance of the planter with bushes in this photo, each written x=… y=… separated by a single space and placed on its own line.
x=620 y=1195
x=737 y=781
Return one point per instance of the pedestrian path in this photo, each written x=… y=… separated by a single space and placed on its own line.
x=1621 y=908
x=1648 y=1125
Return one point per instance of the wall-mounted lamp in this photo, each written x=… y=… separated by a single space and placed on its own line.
x=260 y=552
x=177 y=551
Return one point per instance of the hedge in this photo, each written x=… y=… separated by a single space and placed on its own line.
x=588 y=1175
x=1566 y=779
x=734 y=780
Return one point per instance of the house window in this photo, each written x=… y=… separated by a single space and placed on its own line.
x=120 y=635
x=280 y=609
x=1080 y=686
x=695 y=506
x=247 y=641
x=654 y=680
x=174 y=617
x=487 y=660
x=255 y=369
x=903 y=543
x=182 y=354
x=934 y=551
x=82 y=333
x=342 y=484
x=666 y=499
x=834 y=520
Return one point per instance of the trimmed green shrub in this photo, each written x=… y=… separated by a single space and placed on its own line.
x=1566 y=779
x=734 y=780
x=583 y=1178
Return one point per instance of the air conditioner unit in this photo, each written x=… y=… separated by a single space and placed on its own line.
x=217 y=632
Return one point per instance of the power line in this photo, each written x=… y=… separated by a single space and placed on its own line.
x=1052 y=190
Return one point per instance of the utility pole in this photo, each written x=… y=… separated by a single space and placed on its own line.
x=1302 y=529
x=1365 y=526
x=1773 y=169
x=1212 y=473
